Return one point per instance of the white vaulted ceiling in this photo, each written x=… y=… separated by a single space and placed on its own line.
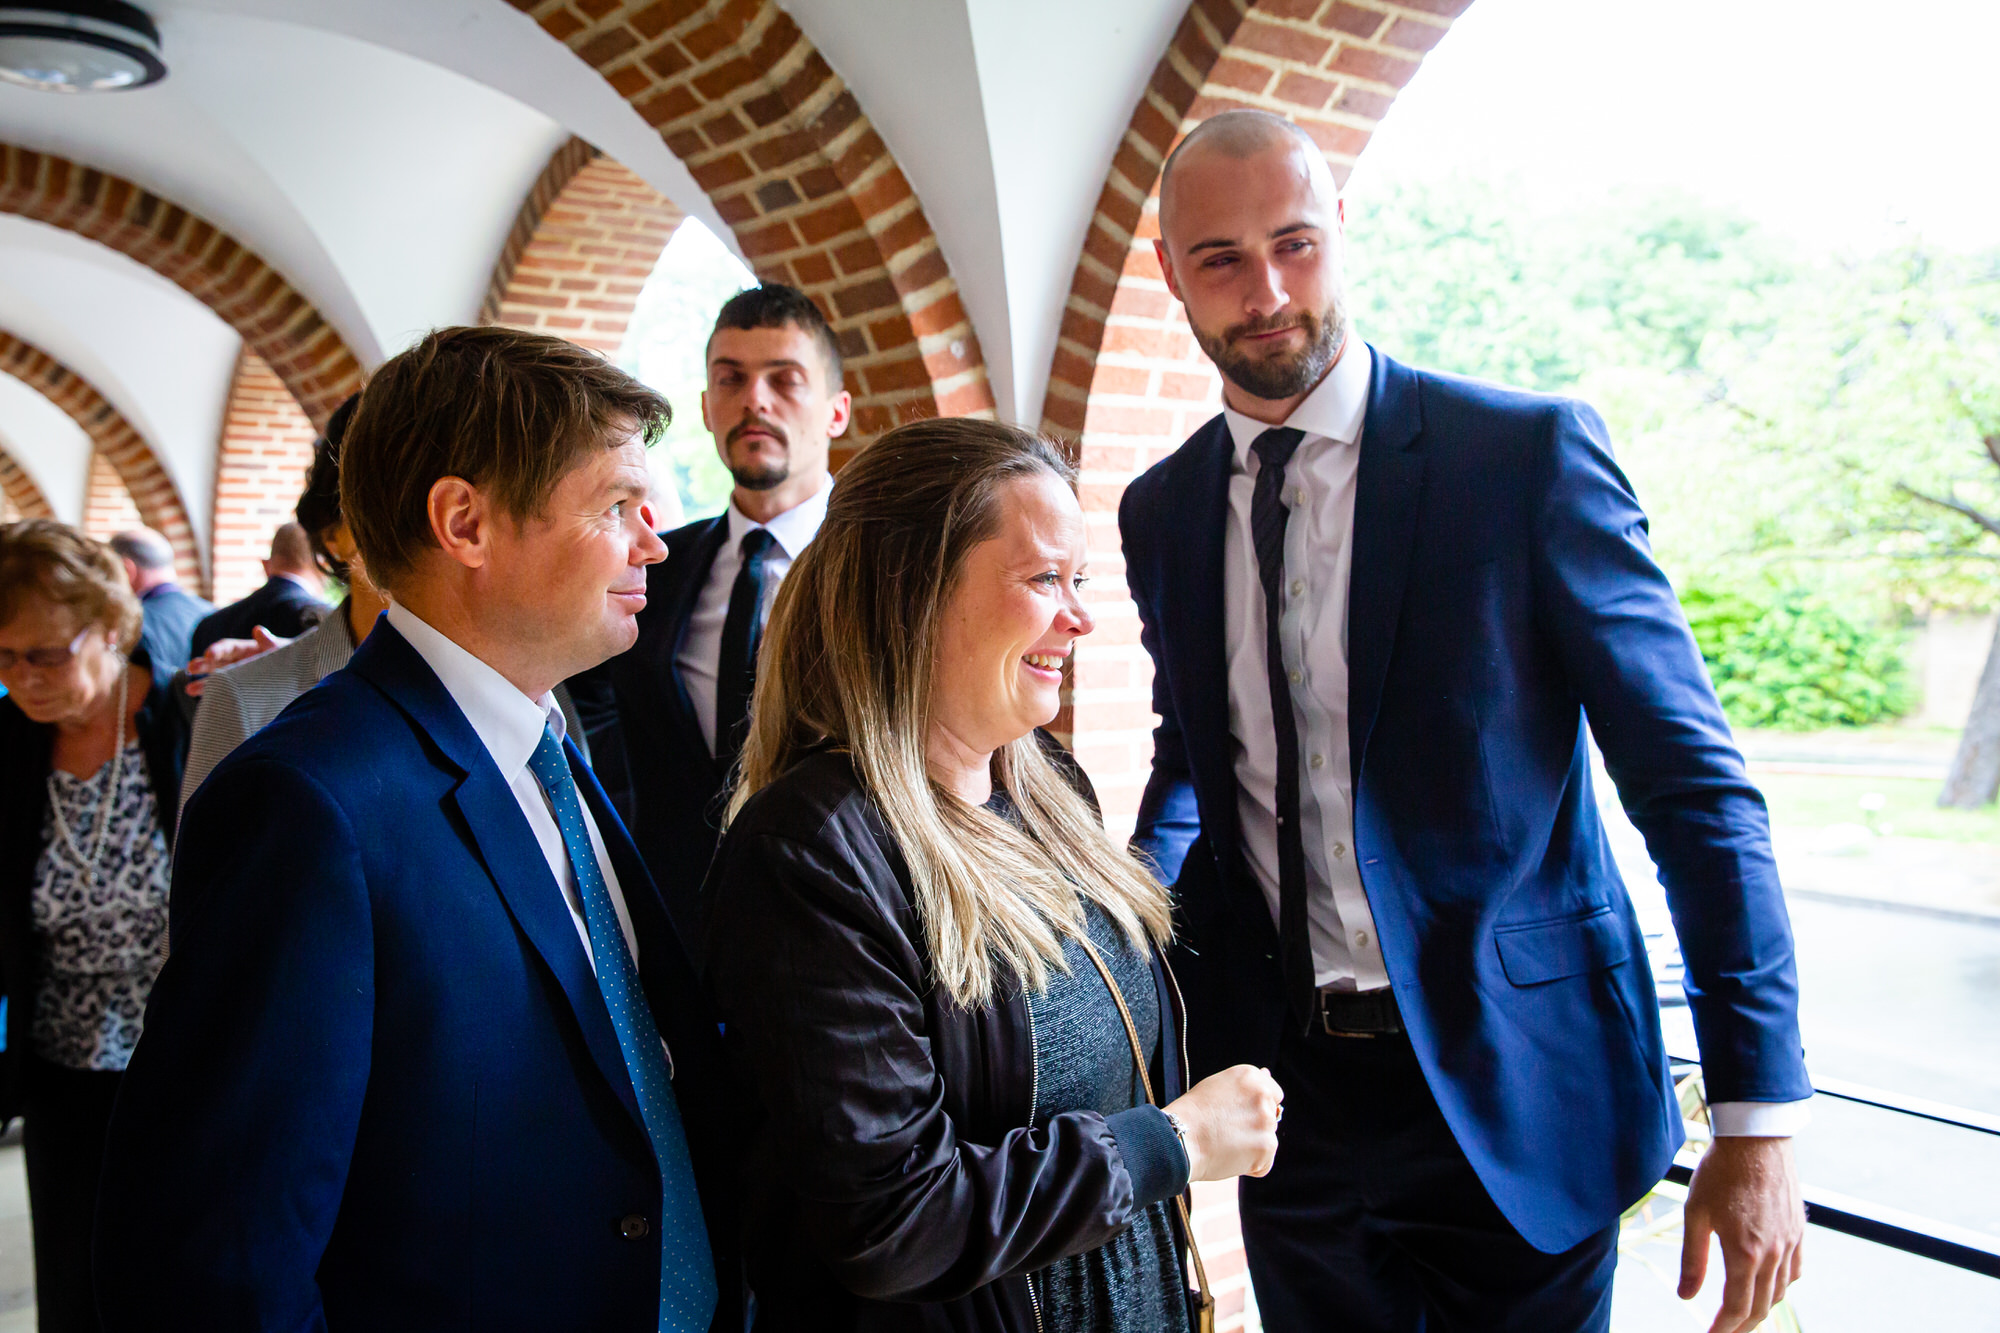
x=375 y=152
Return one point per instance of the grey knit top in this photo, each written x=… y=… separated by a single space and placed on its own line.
x=1083 y=1062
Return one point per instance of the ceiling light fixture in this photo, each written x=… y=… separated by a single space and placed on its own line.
x=78 y=46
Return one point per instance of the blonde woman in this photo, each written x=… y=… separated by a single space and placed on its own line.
x=951 y=1128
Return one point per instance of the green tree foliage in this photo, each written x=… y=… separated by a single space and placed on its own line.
x=1795 y=662
x=1814 y=436
x=665 y=346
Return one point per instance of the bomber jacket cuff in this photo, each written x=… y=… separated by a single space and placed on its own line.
x=1152 y=1152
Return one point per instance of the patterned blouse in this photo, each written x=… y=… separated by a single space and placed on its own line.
x=98 y=938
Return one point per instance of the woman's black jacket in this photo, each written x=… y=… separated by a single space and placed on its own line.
x=895 y=1180
x=26 y=751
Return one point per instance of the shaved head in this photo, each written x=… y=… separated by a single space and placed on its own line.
x=1239 y=135
x=1250 y=244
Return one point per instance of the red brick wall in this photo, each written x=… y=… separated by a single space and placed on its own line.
x=108 y=507
x=811 y=192
x=1128 y=378
x=118 y=444
x=19 y=496
x=586 y=238
x=261 y=465
x=278 y=323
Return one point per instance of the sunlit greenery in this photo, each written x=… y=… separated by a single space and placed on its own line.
x=1780 y=413
x=1816 y=437
x=664 y=347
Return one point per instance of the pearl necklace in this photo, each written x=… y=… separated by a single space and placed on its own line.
x=89 y=864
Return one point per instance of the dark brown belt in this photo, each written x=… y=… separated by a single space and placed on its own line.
x=1369 y=1013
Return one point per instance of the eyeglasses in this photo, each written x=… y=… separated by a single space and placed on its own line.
x=45 y=659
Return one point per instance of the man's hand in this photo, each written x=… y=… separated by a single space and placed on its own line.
x=228 y=652
x=1745 y=1193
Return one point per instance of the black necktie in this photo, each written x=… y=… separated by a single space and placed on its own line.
x=736 y=667
x=1268 y=516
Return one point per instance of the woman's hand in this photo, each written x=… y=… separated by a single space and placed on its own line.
x=1232 y=1123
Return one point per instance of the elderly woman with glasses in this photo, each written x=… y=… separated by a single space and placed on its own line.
x=88 y=787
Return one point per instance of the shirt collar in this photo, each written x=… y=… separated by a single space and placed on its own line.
x=1334 y=409
x=507 y=722
x=794 y=529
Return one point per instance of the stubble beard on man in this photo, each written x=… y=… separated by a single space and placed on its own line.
x=1279 y=378
x=758 y=476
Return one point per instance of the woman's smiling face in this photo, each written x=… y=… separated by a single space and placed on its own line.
x=1013 y=619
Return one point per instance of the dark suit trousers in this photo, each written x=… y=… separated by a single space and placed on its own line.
x=1372 y=1220
x=65 y=1116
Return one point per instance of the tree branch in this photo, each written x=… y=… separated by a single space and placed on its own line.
x=1985 y=521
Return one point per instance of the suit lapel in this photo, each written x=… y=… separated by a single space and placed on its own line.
x=507 y=846
x=1385 y=526
x=1192 y=618
x=660 y=944
x=686 y=592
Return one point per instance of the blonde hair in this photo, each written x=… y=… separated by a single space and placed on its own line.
x=849 y=662
x=41 y=557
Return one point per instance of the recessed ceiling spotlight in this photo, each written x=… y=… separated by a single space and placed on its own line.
x=78 y=46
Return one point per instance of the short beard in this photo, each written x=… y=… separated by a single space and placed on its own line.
x=756 y=476
x=1278 y=378
x=761 y=477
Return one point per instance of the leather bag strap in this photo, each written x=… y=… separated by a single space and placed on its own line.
x=1207 y=1308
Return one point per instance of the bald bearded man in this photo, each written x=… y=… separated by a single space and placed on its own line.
x=1382 y=605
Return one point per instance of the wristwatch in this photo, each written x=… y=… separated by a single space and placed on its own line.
x=1179 y=1126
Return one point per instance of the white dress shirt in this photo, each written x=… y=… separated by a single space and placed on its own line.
x=701 y=645
x=1312 y=633
x=510 y=725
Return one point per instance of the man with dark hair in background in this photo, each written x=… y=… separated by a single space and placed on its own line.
x=427 y=1053
x=170 y=612
x=667 y=718
x=287 y=605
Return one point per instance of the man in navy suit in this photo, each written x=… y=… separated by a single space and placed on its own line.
x=285 y=605
x=170 y=612
x=667 y=718
x=1382 y=605
x=427 y=1054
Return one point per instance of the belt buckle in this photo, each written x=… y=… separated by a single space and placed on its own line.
x=1326 y=1020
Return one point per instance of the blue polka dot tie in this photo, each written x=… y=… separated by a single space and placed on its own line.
x=687 y=1269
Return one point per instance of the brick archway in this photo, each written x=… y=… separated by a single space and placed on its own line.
x=261 y=464
x=24 y=498
x=809 y=189
x=588 y=234
x=273 y=318
x=1128 y=379
x=117 y=442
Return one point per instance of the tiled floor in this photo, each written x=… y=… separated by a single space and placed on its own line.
x=17 y=1259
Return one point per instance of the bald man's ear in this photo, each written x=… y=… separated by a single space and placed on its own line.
x=1167 y=269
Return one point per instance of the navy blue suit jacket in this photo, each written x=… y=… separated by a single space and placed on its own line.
x=378 y=1087
x=645 y=738
x=279 y=605
x=1502 y=591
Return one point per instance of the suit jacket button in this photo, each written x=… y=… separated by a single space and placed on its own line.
x=634 y=1227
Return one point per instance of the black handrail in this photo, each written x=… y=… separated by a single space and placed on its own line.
x=1922 y=1236
x=1926 y=1237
